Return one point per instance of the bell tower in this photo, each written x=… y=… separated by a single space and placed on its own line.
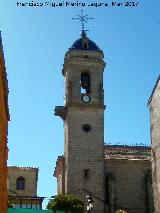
x=83 y=115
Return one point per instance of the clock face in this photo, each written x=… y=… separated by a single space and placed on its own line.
x=86 y=98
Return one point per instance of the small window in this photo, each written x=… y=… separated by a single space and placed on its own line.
x=86 y=173
x=85 y=45
x=38 y=206
x=86 y=127
x=23 y=205
x=20 y=183
x=18 y=205
x=34 y=206
x=29 y=206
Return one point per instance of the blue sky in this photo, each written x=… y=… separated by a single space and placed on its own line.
x=35 y=40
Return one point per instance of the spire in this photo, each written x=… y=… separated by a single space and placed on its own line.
x=82 y=19
x=83 y=33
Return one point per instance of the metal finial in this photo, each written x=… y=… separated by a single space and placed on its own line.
x=83 y=19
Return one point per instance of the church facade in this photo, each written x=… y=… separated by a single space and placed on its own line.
x=4 y=118
x=128 y=179
x=116 y=177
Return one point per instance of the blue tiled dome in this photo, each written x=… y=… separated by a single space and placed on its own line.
x=84 y=43
x=78 y=45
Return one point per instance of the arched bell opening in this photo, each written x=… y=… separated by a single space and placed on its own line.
x=85 y=83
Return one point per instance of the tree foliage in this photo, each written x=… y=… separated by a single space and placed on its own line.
x=121 y=211
x=66 y=203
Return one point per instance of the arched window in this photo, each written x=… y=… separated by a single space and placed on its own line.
x=85 y=82
x=20 y=183
x=85 y=43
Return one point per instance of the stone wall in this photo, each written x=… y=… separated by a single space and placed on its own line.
x=128 y=185
x=59 y=173
x=4 y=117
x=31 y=177
x=84 y=153
x=154 y=107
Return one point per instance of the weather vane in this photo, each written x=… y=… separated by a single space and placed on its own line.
x=83 y=19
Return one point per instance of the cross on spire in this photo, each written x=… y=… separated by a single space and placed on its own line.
x=83 y=19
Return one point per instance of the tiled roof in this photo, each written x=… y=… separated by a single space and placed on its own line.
x=14 y=194
x=127 y=152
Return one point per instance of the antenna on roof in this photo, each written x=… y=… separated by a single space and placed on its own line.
x=82 y=19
